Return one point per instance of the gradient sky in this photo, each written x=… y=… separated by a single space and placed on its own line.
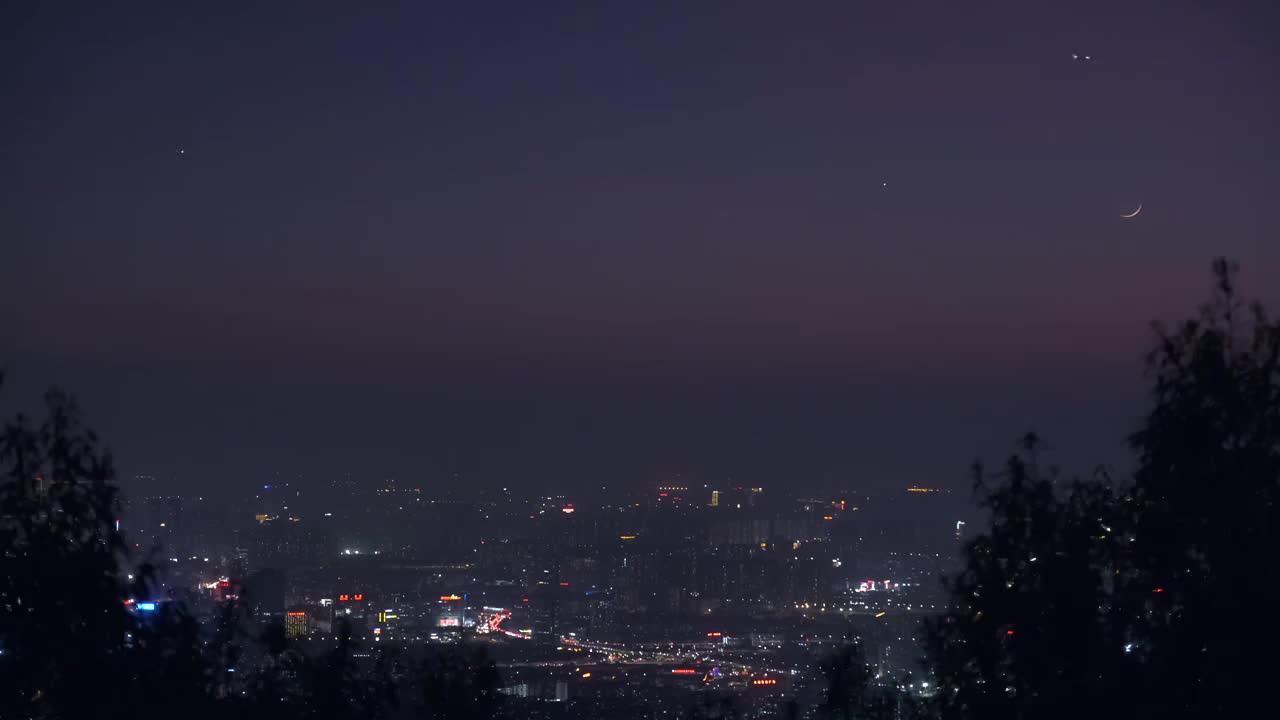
x=849 y=244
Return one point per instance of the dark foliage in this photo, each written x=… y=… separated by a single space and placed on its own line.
x=335 y=687
x=1027 y=634
x=57 y=512
x=714 y=706
x=1141 y=601
x=854 y=693
x=460 y=682
x=71 y=648
x=1207 y=524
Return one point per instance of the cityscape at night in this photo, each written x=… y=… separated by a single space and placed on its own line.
x=567 y=360
x=619 y=603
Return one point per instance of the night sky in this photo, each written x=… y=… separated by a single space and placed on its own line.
x=556 y=245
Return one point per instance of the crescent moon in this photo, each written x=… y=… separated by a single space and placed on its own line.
x=1133 y=214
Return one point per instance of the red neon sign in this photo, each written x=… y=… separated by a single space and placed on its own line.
x=343 y=598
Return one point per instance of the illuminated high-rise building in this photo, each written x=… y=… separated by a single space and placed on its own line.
x=297 y=624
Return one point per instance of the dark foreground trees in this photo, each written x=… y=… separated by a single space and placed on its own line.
x=1028 y=631
x=459 y=683
x=1207 y=525
x=70 y=646
x=853 y=692
x=1142 y=599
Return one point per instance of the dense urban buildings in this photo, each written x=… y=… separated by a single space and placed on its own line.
x=645 y=599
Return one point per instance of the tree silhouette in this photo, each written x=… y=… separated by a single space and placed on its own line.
x=274 y=688
x=852 y=690
x=172 y=667
x=70 y=646
x=334 y=687
x=64 y=626
x=460 y=682
x=1027 y=633
x=713 y=706
x=1083 y=598
x=1207 y=492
